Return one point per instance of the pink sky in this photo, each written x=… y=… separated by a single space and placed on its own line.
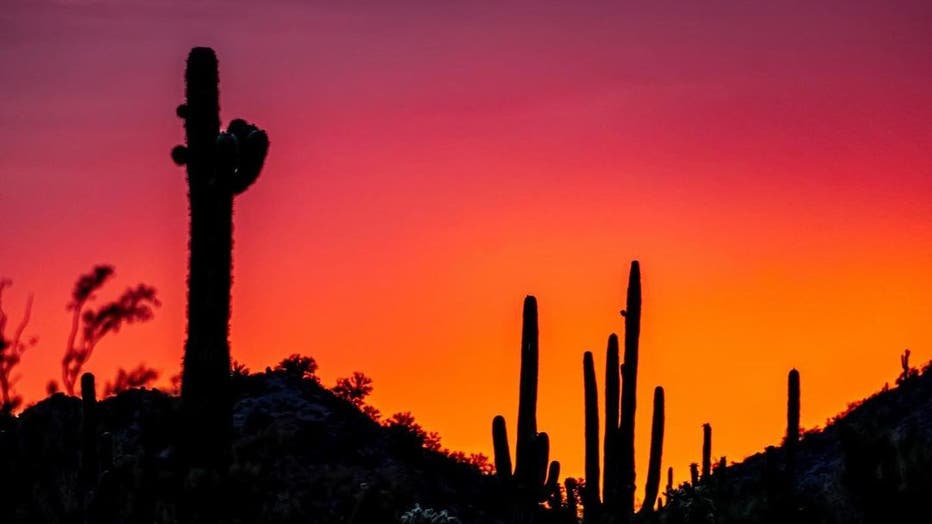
x=432 y=163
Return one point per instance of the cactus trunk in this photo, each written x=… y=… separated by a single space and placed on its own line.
x=792 y=409
x=89 y=462
x=219 y=166
x=706 y=451
x=629 y=370
x=525 y=456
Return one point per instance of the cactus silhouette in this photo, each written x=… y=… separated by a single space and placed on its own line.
x=792 y=409
x=500 y=447
x=220 y=165
x=525 y=459
x=591 y=488
x=669 y=483
x=656 y=453
x=528 y=483
x=706 y=451
x=694 y=474
x=89 y=465
x=612 y=406
x=629 y=373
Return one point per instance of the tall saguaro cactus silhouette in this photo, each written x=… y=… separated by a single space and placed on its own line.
x=706 y=451
x=629 y=374
x=792 y=408
x=220 y=165
x=529 y=482
x=591 y=398
x=612 y=399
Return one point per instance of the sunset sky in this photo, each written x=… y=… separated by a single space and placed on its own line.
x=431 y=163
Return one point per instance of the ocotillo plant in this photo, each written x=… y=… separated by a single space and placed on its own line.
x=220 y=165
x=706 y=450
x=591 y=488
x=656 y=453
x=792 y=409
x=612 y=399
x=629 y=373
x=532 y=448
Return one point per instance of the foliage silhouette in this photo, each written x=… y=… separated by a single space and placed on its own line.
x=12 y=348
x=298 y=366
x=139 y=377
x=136 y=304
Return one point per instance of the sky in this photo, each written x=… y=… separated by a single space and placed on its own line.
x=431 y=163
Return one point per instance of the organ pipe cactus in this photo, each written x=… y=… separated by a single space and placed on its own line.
x=656 y=453
x=220 y=165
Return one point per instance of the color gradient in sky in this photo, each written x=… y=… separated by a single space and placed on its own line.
x=769 y=164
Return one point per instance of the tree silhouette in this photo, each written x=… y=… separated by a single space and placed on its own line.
x=11 y=351
x=354 y=389
x=139 y=377
x=298 y=366
x=134 y=305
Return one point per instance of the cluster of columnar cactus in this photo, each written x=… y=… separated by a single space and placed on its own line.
x=529 y=483
x=617 y=503
x=219 y=165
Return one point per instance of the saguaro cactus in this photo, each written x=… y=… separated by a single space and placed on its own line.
x=220 y=165
x=656 y=453
x=591 y=490
x=525 y=456
x=612 y=399
x=629 y=373
x=792 y=409
x=89 y=464
x=706 y=450
x=532 y=449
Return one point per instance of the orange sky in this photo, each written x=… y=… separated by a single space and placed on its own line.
x=430 y=165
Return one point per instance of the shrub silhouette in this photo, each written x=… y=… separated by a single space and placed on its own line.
x=11 y=351
x=139 y=377
x=220 y=165
x=134 y=305
x=298 y=366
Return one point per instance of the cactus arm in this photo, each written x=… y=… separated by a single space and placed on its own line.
x=500 y=447
x=656 y=453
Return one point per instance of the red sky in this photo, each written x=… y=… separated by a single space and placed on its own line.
x=767 y=162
